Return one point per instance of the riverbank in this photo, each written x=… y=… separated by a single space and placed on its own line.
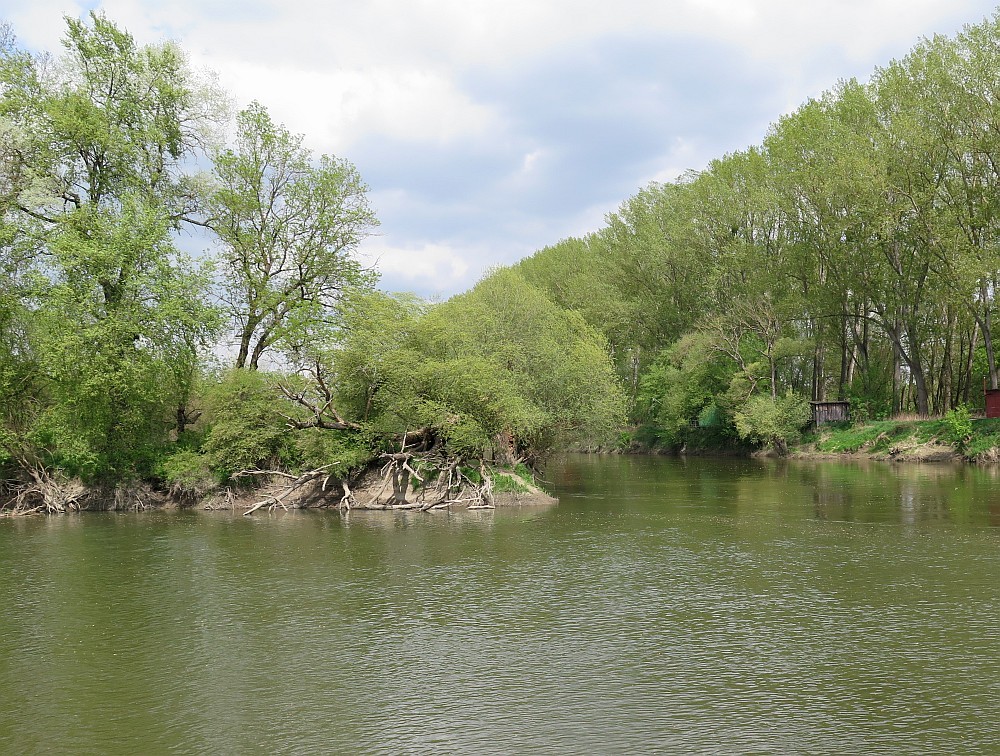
x=369 y=490
x=934 y=440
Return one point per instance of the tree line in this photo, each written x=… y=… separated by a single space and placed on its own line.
x=123 y=357
x=853 y=256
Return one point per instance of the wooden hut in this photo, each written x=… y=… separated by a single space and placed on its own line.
x=830 y=412
x=992 y=402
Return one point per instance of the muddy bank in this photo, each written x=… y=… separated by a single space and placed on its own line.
x=369 y=491
x=914 y=453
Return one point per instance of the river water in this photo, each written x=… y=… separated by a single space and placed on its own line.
x=664 y=606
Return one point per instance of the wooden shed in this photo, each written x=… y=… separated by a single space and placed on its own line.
x=992 y=402
x=830 y=412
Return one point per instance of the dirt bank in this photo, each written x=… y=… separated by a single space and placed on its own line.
x=369 y=491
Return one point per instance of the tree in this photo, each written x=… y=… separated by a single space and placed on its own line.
x=92 y=183
x=557 y=362
x=682 y=384
x=288 y=228
x=653 y=257
x=499 y=370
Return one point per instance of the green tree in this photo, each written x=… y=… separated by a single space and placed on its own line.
x=773 y=421
x=93 y=184
x=288 y=228
x=682 y=383
x=500 y=370
x=559 y=363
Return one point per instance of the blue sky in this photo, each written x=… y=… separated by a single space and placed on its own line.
x=487 y=130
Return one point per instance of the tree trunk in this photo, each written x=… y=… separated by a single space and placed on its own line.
x=400 y=484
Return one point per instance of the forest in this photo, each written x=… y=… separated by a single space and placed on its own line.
x=852 y=255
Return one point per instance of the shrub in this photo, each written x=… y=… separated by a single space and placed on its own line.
x=958 y=423
x=247 y=431
x=188 y=474
x=773 y=421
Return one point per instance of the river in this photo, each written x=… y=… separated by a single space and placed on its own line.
x=664 y=606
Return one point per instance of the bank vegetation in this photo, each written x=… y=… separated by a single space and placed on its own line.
x=851 y=256
x=270 y=371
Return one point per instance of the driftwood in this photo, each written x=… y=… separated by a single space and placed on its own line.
x=42 y=491
x=274 y=501
x=323 y=413
x=419 y=476
x=452 y=485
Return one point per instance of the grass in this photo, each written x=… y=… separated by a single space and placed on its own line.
x=506 y=482
x=518 y=480
x=883 y=436
x=985 y=438
x=871 y=436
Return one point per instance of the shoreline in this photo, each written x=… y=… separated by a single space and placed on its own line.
x=272 y=494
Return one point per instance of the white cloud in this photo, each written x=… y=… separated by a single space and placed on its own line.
x=39 y=23
x=426 y=267
x=684 y=155
x=479 y=173
x=342 y=68
x=335 y=107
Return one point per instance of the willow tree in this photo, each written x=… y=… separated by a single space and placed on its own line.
x=288 y=227
x=94 y=187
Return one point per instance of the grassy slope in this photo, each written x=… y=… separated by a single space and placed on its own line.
x=892 y=438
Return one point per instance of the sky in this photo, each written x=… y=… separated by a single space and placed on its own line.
x=489 y=129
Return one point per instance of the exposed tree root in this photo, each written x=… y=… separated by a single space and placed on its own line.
x=43 y=492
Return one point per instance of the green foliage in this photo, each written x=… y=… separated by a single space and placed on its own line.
x=985 y=441
x=551 y=357
x=975 y=439
x=776 y=422
x=188 y=474
x=680 y=387
x=524 y=472
x=288 y=227
x=342 y=452
x=107 y=317
x=958 y=423
x=852 y=254
x=500 y=362
x=246 y=429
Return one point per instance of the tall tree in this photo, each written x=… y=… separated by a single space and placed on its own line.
x=288 y=228
x=93 y=182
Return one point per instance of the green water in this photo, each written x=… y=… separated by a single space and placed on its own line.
x=663 y=607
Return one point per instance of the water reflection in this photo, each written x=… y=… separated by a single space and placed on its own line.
x=852 y=491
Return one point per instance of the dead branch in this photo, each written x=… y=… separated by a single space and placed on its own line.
x=275 y=473
x=348 y=500
x=324 y=416
x=297 y=482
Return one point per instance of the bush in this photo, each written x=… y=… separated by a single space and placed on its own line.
x=342 y=451
x=958 y=423
x=188 y=474
x=775 y=422
x=246 y=429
